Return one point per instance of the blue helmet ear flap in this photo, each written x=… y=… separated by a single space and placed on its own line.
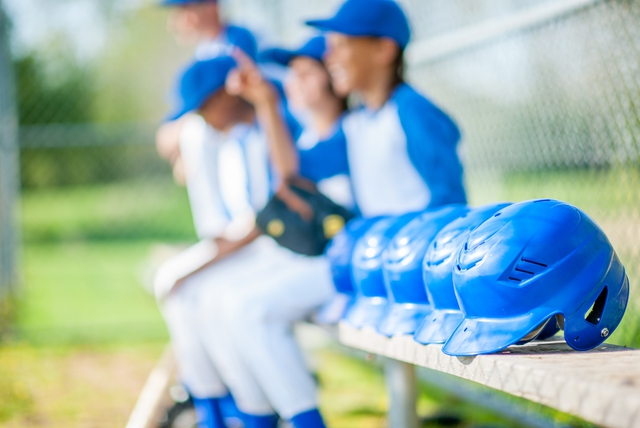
x=599 y=316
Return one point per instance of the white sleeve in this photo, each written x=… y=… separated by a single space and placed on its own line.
x=198 y=147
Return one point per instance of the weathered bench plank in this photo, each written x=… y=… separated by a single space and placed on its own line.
x=601 y=386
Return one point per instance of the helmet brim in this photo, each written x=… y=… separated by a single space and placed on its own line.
x=332 y=312
x=438 y=327
x=402 y=318
x=366 y=311
x=476 y=336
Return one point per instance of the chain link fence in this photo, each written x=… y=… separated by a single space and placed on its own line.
x=547 y=93
x=8 y=166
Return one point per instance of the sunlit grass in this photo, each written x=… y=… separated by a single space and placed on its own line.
x=139 y=210
x=72 y=386
x=87 y=293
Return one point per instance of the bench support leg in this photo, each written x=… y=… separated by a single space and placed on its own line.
x=402 y=389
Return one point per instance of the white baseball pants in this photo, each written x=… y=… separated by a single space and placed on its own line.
x=230 y=325
x=257 y=319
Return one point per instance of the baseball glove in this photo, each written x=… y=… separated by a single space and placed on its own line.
x=301 y=218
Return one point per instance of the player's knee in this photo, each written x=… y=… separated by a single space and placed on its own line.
x=217 y=305
x=250 y=313
x=164 y=280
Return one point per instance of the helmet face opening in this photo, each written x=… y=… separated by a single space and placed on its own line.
x=534 y=333
x=533 y=261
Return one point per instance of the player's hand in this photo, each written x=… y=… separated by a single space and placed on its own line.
x=247 y=81
x=294 y=202
x=168 y=140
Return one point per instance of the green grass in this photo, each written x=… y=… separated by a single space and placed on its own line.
x=87 y=292
x=604 y=192
x=72 y=386
x=131 y=211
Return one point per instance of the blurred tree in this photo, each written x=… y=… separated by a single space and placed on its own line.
x=91 y=120
x=43 y=100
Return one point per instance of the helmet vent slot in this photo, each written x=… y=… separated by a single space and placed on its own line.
x=526 y=269
x=533 y=262
x=594 y=314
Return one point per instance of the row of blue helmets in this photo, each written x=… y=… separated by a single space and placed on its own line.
x=479 y=280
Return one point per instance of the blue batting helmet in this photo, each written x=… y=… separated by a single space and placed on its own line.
x=402 y=270
x=366 y=268
x=530 y=264
x=438 y=265
x=339 y=253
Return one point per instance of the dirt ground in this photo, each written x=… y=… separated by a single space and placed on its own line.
x=72 y=388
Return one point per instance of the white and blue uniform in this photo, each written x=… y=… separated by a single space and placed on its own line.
x=204 y=152
x=229 y=180
x=324 y=161
x=401 y=158
x=276 y=295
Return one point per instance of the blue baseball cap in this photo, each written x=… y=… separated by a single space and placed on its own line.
x=314 y=48
x=201 y=80
x=183 y=2
x=374 y=18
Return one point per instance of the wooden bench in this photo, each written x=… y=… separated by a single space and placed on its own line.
x=601 y=386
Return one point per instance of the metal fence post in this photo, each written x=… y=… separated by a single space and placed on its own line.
x=402 y=391
x=9 y=167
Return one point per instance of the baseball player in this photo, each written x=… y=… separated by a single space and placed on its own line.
x=198 y=22
x=402 y=158
x=234 y=256
x=194 y=159
x=321 y=157
x=321 y=144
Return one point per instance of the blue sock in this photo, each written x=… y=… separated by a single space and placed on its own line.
x=310 y=419
x=229 y=409
x=255 y=421
x=209 y=414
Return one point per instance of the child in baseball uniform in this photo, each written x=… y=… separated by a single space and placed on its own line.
x=194 y=159
x=402 y=157
x=321 y=145
x=319 y=154
x=234 y=256
x=199 y=23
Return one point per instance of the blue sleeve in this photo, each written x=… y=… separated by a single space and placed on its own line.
x=326 y=159
x=432 y=139
x=291 y=122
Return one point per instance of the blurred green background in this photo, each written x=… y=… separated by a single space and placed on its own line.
x=541 y=118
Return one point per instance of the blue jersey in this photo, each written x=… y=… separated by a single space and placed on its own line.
x=324 y=161
x=403 y=157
